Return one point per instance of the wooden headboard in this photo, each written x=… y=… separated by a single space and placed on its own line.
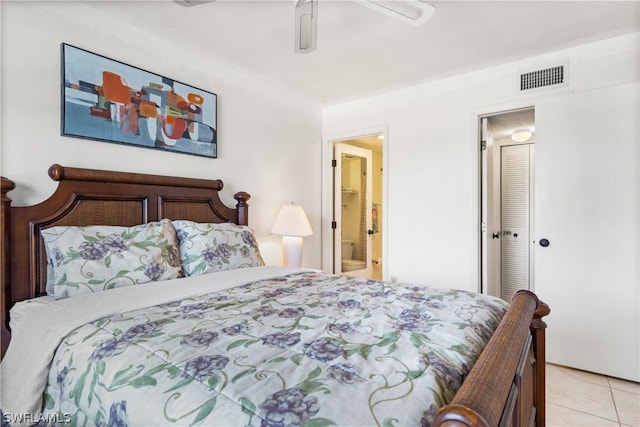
x=96 y=197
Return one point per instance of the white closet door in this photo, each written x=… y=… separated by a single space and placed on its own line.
x=515 y=207
x=587 y=208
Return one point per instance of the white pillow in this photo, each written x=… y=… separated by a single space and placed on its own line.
x=210 y=247
x=97 y=258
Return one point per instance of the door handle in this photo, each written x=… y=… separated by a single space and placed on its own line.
x=495 y=235
x=506 y=233
x=369 y=232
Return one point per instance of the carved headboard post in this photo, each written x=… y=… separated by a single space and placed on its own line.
x=6 y=185
x=243 y=207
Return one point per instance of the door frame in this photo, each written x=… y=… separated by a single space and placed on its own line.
x=477 y=115
x=328 y=141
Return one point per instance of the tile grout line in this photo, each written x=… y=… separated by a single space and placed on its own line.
x=587 y=413
x=614 y=401
x=599 y=384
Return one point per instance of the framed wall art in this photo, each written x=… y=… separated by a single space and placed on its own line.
x=107 y=100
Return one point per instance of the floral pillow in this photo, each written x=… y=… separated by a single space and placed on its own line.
x=206 y=248
x=97 y=258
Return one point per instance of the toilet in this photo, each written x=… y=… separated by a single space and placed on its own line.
x=348 y=263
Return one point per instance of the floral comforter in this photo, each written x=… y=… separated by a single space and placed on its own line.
x=309 y=349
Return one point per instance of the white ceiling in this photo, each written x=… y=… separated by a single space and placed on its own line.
x=361 y=52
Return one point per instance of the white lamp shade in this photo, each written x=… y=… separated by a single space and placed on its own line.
x=292 y=221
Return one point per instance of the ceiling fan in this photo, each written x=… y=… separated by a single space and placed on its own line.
x=414 y=12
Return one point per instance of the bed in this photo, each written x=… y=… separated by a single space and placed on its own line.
x=236 y=342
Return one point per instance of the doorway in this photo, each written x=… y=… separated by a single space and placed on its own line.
x=507 y=211
x=357 y=201
x=353 y=214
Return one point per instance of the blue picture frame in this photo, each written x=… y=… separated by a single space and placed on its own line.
x=107 y=100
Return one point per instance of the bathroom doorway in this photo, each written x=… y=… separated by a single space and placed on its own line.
x=357 y=206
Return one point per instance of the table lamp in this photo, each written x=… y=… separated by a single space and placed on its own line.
x=292 y=224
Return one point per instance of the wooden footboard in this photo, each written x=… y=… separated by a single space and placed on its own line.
x=506 y=386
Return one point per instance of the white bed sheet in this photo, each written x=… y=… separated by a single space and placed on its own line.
x=22 y=308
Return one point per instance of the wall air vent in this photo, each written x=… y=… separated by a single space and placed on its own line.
x=545 y=78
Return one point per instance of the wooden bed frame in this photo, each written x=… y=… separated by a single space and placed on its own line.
x=505 y=387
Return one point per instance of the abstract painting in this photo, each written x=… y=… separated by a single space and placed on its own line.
x=110 y=101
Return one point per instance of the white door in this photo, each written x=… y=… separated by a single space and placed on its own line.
x=587 y=195
x=486 y=223
x=352 y=210
x=516 y=186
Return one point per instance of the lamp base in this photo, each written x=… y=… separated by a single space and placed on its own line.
x=292 y=251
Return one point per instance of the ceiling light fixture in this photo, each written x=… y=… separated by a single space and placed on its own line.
x=521 y=135
x=306 y=24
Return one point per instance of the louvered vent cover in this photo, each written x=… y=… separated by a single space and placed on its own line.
x=542 y=78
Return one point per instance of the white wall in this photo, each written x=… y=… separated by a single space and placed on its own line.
x=433 y=181
x=269 y=140
x=432 y=143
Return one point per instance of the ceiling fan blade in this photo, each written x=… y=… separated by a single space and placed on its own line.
x=189 y=3
x=306 y=25
x=414 y=12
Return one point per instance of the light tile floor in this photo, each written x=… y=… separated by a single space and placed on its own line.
x=579 y=398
